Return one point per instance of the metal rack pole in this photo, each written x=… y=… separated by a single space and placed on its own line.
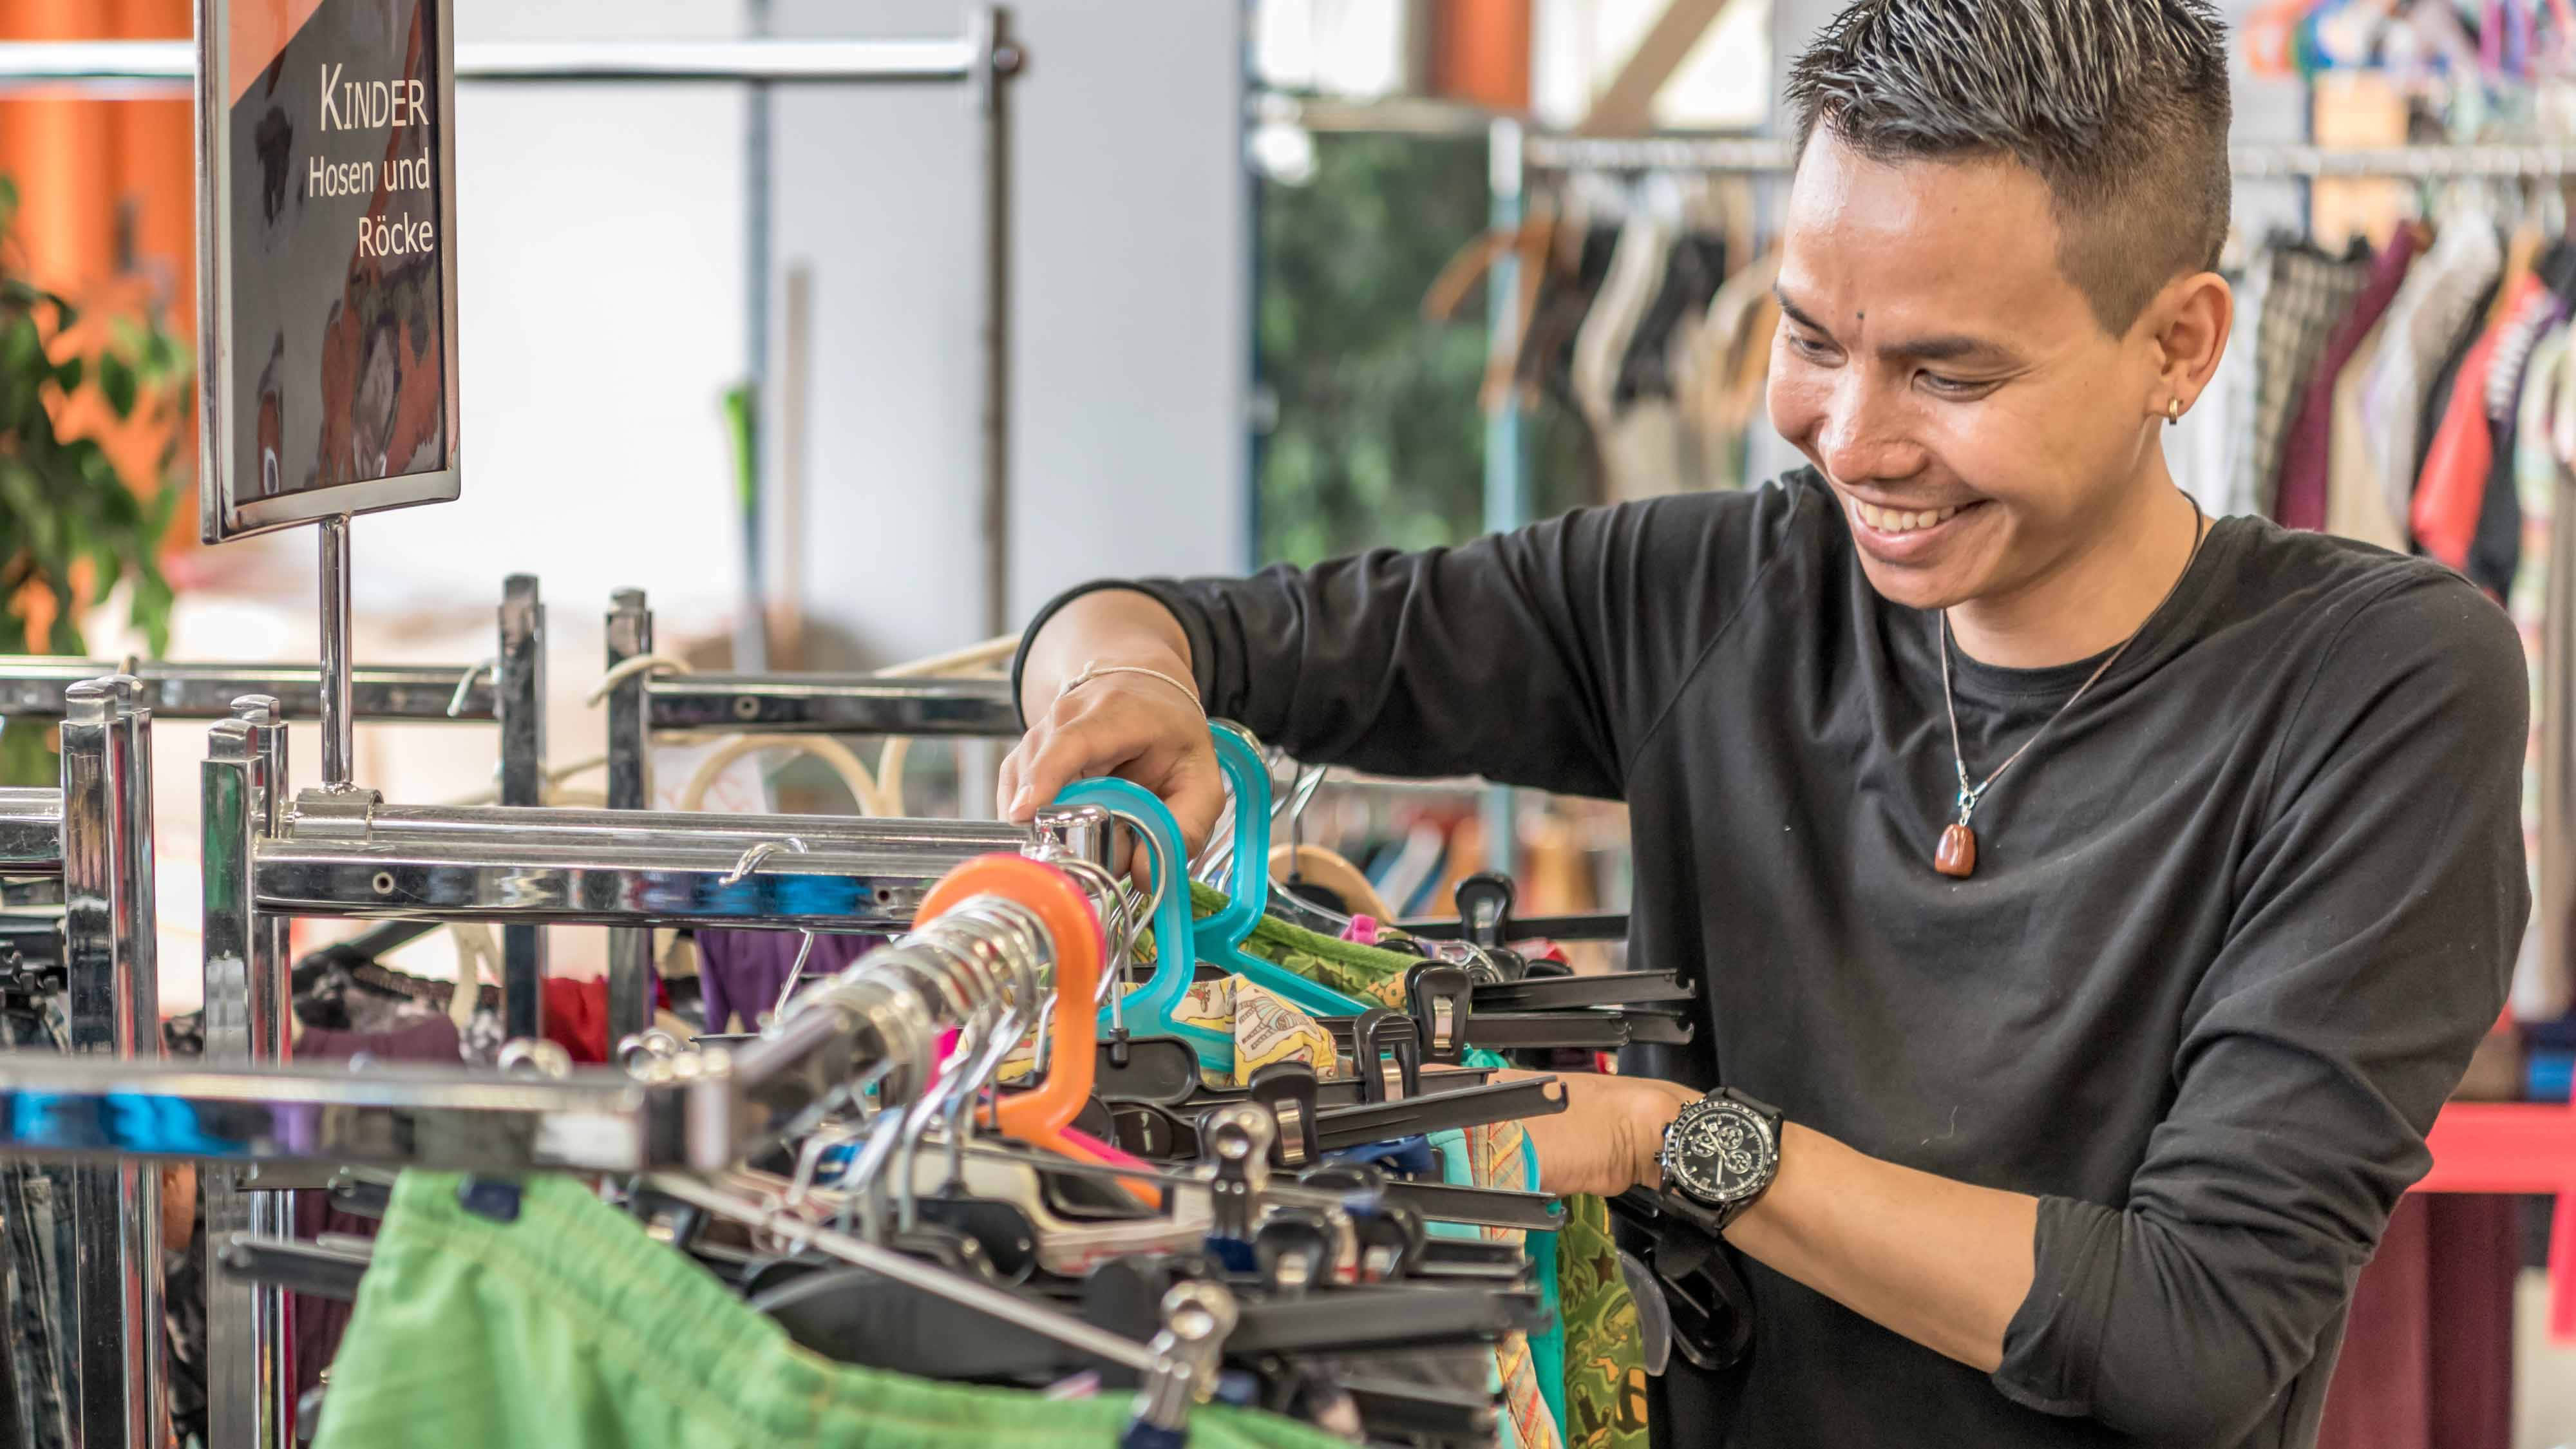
x=31 y=687
x=519 y=695
x=250 y=1376
x=338 y=732
x=1507 y=500
x=151 y=68
x=115 y=1014
x=630 y=787
x=998 y=59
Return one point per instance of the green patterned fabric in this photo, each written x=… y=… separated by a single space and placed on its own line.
x=570 y=1329
x=1363 y=972
x=1605 y=1366
x=1604 y=1402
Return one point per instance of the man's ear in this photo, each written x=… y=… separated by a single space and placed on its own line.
x=2187 y=327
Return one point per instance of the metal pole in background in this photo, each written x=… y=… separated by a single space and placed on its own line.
x=1000 y=58
x=759 y=216
x=250 y=1379
x=519 y=703
x=338 y=747
x=115 y=1012
x=630 y=787
x=1507 y=490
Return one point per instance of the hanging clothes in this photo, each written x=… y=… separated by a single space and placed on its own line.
x=569 y=1327
x=2307 y=461
x=2544 y=590
x=2452 y=490
x=2356 y=504
x=741 y=973
x=2442 y=292
x=2305 y=293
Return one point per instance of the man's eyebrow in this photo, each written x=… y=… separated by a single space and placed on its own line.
x=1797 y=313
x=1947 y=347
x=1953 y=347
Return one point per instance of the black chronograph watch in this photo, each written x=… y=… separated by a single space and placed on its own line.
x=1721 y=1153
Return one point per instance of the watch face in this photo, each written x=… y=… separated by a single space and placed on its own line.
x=1720 y=1151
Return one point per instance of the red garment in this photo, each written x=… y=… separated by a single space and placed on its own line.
x=2452 y=489
x=577 y=1018
x=2428 y=1351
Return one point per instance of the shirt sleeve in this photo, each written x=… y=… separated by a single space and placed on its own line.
x=2377 y=916
x=1537 y=657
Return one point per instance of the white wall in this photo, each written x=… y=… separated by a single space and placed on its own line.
x=598 y=289
x=601 y=299
x=1130 y=347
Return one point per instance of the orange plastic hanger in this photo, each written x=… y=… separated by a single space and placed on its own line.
x=1043 y=1116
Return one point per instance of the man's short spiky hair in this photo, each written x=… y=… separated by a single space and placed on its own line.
x=2120 y=106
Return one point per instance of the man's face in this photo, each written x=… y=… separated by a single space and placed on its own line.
x=1976 y=421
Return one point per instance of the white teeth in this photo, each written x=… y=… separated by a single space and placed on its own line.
x=1893 y=520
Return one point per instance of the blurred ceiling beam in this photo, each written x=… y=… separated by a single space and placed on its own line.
x=1626 y=106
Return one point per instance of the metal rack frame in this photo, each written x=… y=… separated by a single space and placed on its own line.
x=94 y=833
x=345 y=853
x=643 y=704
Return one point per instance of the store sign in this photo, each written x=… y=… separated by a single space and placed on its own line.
x=327 y=264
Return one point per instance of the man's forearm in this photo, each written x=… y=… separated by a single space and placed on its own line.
x=1944 y=1263
x=1109 y=626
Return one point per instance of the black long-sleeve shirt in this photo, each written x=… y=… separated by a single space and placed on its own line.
x=2235 y=927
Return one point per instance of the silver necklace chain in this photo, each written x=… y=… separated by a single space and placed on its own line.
x=1970 y=795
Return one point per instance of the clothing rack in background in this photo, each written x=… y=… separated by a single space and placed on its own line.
x=2254 y=162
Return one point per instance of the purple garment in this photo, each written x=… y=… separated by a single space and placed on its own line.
x=319 y=1322
x=740 y=973
x=2306 y=462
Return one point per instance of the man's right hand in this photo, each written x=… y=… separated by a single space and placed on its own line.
x=1133 y=726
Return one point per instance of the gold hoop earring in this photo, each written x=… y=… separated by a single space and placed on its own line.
x=2173 y=413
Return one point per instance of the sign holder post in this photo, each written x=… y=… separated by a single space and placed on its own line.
x=326 y=203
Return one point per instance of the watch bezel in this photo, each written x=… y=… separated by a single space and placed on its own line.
x=1766 y=1133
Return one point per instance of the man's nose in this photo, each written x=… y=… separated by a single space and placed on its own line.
x=1866 y=436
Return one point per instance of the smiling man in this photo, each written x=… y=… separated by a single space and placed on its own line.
x=2093 y=901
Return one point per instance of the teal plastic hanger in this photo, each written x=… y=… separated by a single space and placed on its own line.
x=1148 y=1010
x=1221 y=936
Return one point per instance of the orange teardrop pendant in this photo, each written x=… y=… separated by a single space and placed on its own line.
x=1957 y=857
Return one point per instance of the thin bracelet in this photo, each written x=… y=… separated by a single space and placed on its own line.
x=1091 y=672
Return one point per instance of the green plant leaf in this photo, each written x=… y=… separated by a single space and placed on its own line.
x=116 y=379
x=27 y=754
x=70 y=374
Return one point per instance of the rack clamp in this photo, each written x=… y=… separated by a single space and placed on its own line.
x=346 y=812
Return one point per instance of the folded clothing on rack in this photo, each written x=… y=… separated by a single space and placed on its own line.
x=569 y=1327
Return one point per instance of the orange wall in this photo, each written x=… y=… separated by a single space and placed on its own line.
x=107 y=211
x=81 y=165
x=1480 y=52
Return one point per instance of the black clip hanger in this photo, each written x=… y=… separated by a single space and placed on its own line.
x=1385 y=1044
x=1712 y=1310
x=1404 y=1413
x=1441 y=998
x=1565 y=993
x=1341 y=1127
x=1161 y=1069
x=1484 y=903
x=1352 y=1320
x=322 y=1270
x=1288 y=1091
